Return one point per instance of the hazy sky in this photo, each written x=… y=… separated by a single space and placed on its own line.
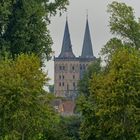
x=98 y=22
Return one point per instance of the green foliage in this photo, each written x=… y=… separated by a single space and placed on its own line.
x=120 y=107
x=66 y=129
x=124 y=25
x=83 y=104
x=93 y=68
x=112 y=108
x=24 y=107
x=24 y=26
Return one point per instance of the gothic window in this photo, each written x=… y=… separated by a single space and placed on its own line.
x=59 y=76
x=73 y=68
x=80 y=67
x=74 y=85
x=60 y=84
x=73 y=76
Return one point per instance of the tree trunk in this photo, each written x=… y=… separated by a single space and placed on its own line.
x=23 y=135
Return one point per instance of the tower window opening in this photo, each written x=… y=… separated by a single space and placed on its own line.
x=73 y=76
x=72 y=67
x=74 y=85
x=60 y=84
x=63 y=77
x=80 y=67
x=59 y=76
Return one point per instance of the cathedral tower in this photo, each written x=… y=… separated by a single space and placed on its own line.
x=87 y=56
x=69 y=69
x=66 y=73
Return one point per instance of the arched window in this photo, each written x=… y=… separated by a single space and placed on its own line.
x=73 y=68
x=73 y=76
x=80 y=67
x=60 y=84
x=59 y=76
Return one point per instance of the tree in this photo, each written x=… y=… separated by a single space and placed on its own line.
x=66 y=129
x=111 y=109
x=51 y=88
x=24 y=106
x=83 y=104
x=124 y=26
x=118 y=96
x=83 y=84
x=24 y=26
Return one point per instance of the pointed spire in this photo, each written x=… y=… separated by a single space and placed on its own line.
x=87 y=51
x=66 y=51
x=87 y=14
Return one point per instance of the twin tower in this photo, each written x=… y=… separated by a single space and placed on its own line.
x=69 y=69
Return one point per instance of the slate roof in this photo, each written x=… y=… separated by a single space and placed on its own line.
x=87 y=51
x=66 y=51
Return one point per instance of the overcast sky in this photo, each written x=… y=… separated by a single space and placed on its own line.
x=98 y=22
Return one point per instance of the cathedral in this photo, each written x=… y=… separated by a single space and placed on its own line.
x=69 y=69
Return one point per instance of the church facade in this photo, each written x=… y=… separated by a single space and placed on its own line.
x=69 y=69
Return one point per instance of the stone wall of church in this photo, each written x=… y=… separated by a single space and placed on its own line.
x=67 y=73
x=66 y=77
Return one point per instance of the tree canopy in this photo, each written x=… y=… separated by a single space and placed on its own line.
x=24 y=106
x=112 y=108
x=124 y=26
x=24 y=26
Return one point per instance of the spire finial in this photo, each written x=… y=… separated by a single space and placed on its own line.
x=66 y=16
x=87 y=13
